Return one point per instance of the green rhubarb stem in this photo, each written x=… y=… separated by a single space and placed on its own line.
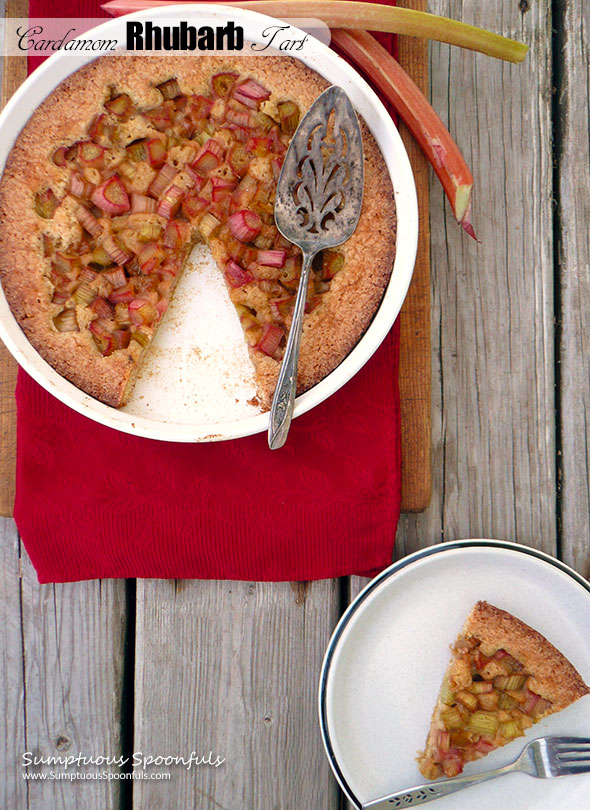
x=366 y=16
x=418 y=115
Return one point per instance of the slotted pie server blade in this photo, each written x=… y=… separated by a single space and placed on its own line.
x=318 y=205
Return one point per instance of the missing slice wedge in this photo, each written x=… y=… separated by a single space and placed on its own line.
x=503 y=677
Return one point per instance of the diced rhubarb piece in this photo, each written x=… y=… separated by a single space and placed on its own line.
x=506 y=702
x=170 y=202
x=222 y=83
x=531 y=702
x=209 y=157
x=176 y=234
x=141 y=204
x=59 y=156
x=66 y=321
x=46 y=203
x=122 y=294
x=452 y=718
x=162 y=180
x=88 y=221
x=235 y=274
x=200 y=107
x=169 y=89
x=99 y=127
x=197 y=182
x=484 y=747
x=264 y=121
x=80 y=186
x=250 y=93
x=102 y=308
x=245 y=225
x=121 y=106
x=111 y=196
x=220 y=187
x=116 y=277
x=239 y=117
x=100 y=257
x=288 y=116
x=149 y=231
x=511 y=729
x=156 y=152
x=481 y=687
x=193 y=206
x=115 y=251
x=208 y=224
x=142 y=311
x=150 y=257
x=84 y=294
x=271 y=258
x=137 y=150
x=270 y=339
x=90 y=154
x=488 y=700
x=121 y=339
x=332 y=263
x=128 y=169
x=510 y=683
x=483 y=723
x=161 y=117
x=467 y=699
x=239 y=159
x=281 y=307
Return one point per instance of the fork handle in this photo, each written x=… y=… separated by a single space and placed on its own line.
x=281 y=411
x=412 y=797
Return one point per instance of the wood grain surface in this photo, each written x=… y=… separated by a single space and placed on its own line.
x=572 y=68
x=494 y=429
x=415 y=364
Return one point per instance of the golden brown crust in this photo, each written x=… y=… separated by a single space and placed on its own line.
x=554 y=677
x=330 y=332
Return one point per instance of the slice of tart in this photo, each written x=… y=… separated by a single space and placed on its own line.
x=503 y=677
x=129 y=163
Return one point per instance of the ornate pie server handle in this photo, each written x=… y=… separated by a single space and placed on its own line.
x=283 y=402
x=413 y=797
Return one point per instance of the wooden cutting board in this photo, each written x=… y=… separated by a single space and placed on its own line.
x=414 y=374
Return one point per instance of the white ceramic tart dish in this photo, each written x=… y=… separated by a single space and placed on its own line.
x=198 y=381
x=388 y=655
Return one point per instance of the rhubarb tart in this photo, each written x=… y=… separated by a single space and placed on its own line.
x=503 y=677
x=131 y=161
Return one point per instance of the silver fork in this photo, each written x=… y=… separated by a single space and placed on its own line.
x=544 y=758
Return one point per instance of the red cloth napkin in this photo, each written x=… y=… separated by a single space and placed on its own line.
x=92 y=502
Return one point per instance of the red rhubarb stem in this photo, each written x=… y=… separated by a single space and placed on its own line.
x=418 y=115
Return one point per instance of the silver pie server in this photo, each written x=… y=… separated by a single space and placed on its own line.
x=318 y=205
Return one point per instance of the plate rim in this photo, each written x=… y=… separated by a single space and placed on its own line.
x=394 y=295
x=371 y=586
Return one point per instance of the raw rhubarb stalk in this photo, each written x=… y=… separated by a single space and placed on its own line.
x=365 y=16
x=420 y=118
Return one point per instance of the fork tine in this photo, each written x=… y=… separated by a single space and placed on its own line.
x=579 y=767
x=570 y=742
x=574 y=753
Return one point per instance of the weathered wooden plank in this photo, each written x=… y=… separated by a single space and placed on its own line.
x=573 y=215
x=493 y=359
x=13 y=788
x=72 y=641
x=233 y=668
x=414 y=368
x=62 y=652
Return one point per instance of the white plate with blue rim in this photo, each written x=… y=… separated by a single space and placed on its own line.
x=386 y=659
